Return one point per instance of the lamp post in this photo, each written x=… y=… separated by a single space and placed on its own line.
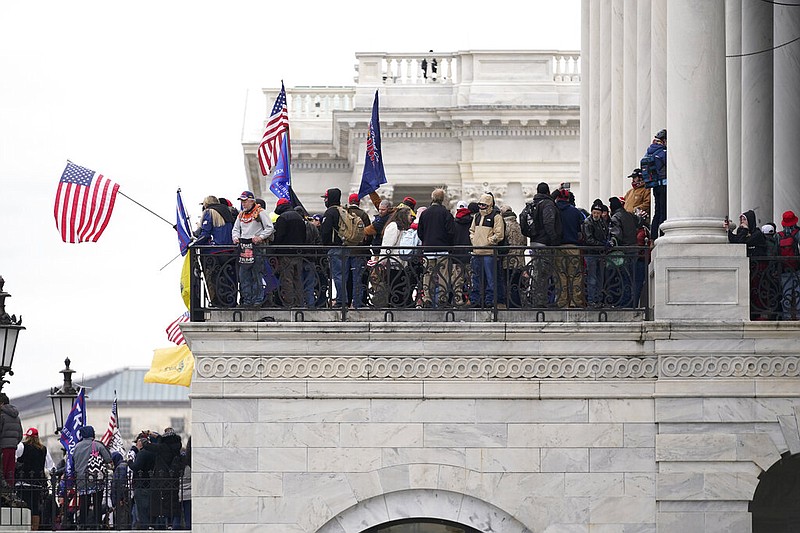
x=63 y=397
x=10 y=326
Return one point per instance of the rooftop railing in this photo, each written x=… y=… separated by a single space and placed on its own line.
x=358 y=283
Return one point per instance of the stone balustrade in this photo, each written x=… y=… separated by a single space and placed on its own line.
x=314 y=102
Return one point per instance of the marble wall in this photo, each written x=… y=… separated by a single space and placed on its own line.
x=305 y=428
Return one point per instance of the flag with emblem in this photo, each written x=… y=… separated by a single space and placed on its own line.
x=373 y=175
x=84 y=203
x=171 y=366
x=276 y=129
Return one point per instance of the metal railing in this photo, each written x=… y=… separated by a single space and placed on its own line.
x=121 y=500
x=459 y=279
x=774 y=288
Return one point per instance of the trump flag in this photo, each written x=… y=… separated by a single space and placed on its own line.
x=373 y=175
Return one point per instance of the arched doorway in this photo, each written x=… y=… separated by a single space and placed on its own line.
x=421 y=525
x=776 y=502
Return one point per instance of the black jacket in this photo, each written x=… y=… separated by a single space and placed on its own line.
x=329 y=230
x=435 y=228
x=752 y=236
x=290 y=228
x=624 y=227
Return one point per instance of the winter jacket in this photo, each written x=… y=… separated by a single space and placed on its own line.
x=435 y=228
x=752 y=236
x=290 y=228
x=487 y=228
x=515 y=258
x=461 y=225
x=547 y=212
x=595 y=233
x=219 y=233
x=637 y=197
x=571 y=220
x=659 y=151
x=10 y=426
x=623 y=227
x=81 y=460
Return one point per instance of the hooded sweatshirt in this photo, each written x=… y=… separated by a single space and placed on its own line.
x=329 y=230
x=488 y=228
x=751 y=236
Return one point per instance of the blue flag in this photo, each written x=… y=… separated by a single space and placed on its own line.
x=373 y=175
x=184 y=232
x=70 y=432
x=281 y=174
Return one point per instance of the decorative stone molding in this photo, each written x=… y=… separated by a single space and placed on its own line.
x=730 y=366
x=427 y=367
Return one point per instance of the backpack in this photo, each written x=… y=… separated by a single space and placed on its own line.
x=95 y=466
x=351 y=227
x=787 y=247
x=527 y=218
x=649 y=171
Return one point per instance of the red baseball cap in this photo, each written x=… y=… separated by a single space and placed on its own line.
x=353 y=199
x=32 y=432
x=281 y=201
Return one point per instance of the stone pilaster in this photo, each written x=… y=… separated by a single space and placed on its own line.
x=697 y=274
x=617 y=97
x=787 y=106
x=586 y=138
x=630 y=151
x=606 y=146
x=644 y=131
x=733 y=45
x=658 y=66
x=757 y=110
x=594 y=96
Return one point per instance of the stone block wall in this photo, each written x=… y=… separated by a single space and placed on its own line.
x=502 y=427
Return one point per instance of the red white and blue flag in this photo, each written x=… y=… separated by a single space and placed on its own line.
x=111 y=438
x=373 y=175
x=277 y=128
x=84 y=203
x=174 y=333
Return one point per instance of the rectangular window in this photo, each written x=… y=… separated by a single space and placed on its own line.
x=178 y=424
x=125 y=427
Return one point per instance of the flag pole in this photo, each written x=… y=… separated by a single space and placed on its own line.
x=146 y=208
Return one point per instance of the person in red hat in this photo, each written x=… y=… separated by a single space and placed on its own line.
x=789 y=246
x=33 y=458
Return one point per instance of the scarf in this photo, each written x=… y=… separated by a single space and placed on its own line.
x=249 y=216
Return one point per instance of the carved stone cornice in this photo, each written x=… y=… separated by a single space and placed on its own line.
x=444 y=367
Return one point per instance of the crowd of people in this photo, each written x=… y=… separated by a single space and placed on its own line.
x=148 y=487
x=553 y=254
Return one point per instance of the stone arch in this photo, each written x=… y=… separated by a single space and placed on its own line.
x=423 y=503
x=775 y=506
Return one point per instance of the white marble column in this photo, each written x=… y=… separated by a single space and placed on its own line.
x=586 y=138
x=787 y=111
x=695 y=273
x=757 y=110
x=630 y=152
x=617 y=96
x=733 y=46
x=594 y=96
x=606 y=146
x=658 y=67
x=643 y=130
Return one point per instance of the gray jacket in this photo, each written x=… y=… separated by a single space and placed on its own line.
x=80 y=457
x=10 y=426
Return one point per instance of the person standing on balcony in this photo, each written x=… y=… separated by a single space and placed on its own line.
x=290 y=230
x=10 y=437
x=424 y=66
x=251 y=229
x=749 y=234
x=540 y=220
x=215 y=229
x=638 y=196
x=654 y=174
x=486 y=232
x=789 y=246
x=595 y=235
x=358 y=260
x=435 y=230
x=623 y=230
x=569 y=265
x=329 y=231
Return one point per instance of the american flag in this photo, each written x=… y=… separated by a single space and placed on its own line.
x=111 y=438
x=84 y=202
x=174 y=331
x=277 y=127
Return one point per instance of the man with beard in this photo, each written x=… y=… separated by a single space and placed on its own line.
x=252 y=228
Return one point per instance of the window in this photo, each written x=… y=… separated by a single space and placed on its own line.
x=178 y=424
x=125 y=426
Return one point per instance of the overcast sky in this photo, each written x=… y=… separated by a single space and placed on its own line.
x=152 y=95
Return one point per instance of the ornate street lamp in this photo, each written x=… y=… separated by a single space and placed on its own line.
x=63 y=397
x=10 y=327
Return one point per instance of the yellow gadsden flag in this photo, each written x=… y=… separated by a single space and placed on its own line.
x=171 y=366
x=186 y=282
